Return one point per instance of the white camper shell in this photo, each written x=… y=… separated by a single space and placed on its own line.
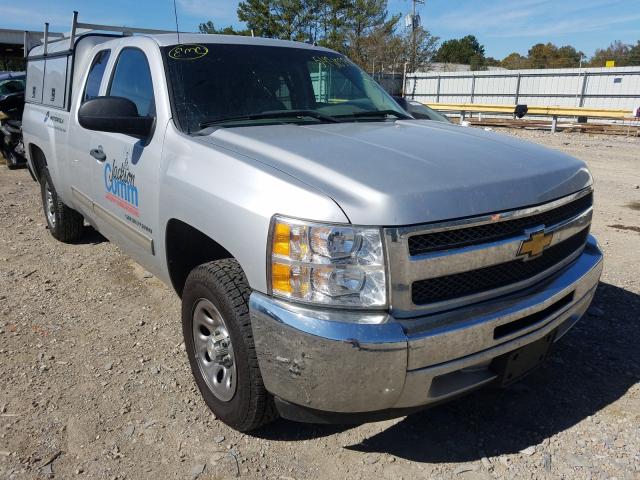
x=55 y=67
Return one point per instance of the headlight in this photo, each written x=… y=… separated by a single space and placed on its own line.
x=335 y=265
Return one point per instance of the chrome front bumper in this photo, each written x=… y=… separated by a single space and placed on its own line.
x=322 y=360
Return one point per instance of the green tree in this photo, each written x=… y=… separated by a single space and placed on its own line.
x=381 y=48
x=419 y=48
x=540 y=54
x=567 y=57
x=333 y=20
x=547 y=55
x=259 y=18
x=209 y=27
x=491 y=62
x=466 y=50
x=294 y=18
x=515 y=61
x=634 y=55
x=362 y=29
x=617 y=51
x=364 y=16
x=388 y=47
x=285 y=19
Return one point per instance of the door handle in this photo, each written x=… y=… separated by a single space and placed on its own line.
x=98 y=154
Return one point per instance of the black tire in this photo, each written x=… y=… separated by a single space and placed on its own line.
x=224 y=284
x=12 y=161
x=66 y=225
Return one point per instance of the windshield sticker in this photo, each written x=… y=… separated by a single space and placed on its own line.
x=188 y=52
x=339 y=62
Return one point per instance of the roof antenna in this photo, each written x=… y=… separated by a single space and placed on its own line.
x=175 y=13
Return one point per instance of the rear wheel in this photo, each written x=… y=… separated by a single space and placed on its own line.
x=219 y=343
x=64 y=223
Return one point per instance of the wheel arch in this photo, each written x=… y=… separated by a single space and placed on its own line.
x=186 y=248
x=38 y=160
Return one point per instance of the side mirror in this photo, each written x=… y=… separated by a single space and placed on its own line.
x=114 y=114
x=402 y=102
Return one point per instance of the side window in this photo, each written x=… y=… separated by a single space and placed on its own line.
x=132 y=79
x=331 y=85
x=96 y=72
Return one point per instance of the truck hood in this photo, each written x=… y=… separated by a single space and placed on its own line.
x=412 y=171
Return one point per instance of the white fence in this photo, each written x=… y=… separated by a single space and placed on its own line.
x=602 y=88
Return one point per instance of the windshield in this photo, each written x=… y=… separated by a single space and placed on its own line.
x=241 y=85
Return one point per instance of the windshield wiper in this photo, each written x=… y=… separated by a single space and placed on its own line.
x=271 y=114
x=378 y=113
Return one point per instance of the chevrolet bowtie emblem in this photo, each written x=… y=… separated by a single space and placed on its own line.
x=537 y=242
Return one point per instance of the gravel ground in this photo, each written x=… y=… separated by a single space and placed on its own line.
x=95 y=382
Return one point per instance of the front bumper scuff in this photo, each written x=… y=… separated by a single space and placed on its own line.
x=321 y=360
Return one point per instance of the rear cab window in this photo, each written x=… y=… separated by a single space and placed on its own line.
x=96 y=72
x=131 y=79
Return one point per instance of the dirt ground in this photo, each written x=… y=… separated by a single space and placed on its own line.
x=94 y=381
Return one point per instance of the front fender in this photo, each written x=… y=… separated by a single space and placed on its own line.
x=231 y=198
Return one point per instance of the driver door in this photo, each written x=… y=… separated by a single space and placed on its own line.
x=125 y=173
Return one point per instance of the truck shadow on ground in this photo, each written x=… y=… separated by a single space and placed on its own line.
x=90 y=236
x=591 y=367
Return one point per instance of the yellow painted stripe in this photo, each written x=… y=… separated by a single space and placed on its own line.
x=533 y=110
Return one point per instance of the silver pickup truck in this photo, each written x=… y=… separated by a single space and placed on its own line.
x=337 y=260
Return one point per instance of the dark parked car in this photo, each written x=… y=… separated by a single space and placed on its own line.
x=12 y=86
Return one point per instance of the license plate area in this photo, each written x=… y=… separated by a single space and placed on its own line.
x=516 y=364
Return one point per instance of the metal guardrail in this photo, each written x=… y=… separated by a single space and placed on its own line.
x=615 y=87
x=554 y=112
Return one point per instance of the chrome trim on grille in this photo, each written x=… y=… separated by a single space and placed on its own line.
x=404 y=269
x=448 y=262
x=490 y=218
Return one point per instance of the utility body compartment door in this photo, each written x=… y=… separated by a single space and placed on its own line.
x=35 y=81
x=55 y=82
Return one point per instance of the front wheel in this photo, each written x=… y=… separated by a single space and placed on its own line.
x=219 y=343
x=65 y=224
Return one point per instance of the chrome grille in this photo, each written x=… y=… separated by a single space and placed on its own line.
x=441 y=266
x=488 y=278
x=491 y=232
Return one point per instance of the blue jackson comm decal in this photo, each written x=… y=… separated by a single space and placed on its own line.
x=120 y=184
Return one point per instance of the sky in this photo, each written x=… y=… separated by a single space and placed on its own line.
x=502 y=26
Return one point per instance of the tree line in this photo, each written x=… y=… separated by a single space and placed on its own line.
x=375 y=40
x=361 y=29
x=548 y=55
x=469 y=51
